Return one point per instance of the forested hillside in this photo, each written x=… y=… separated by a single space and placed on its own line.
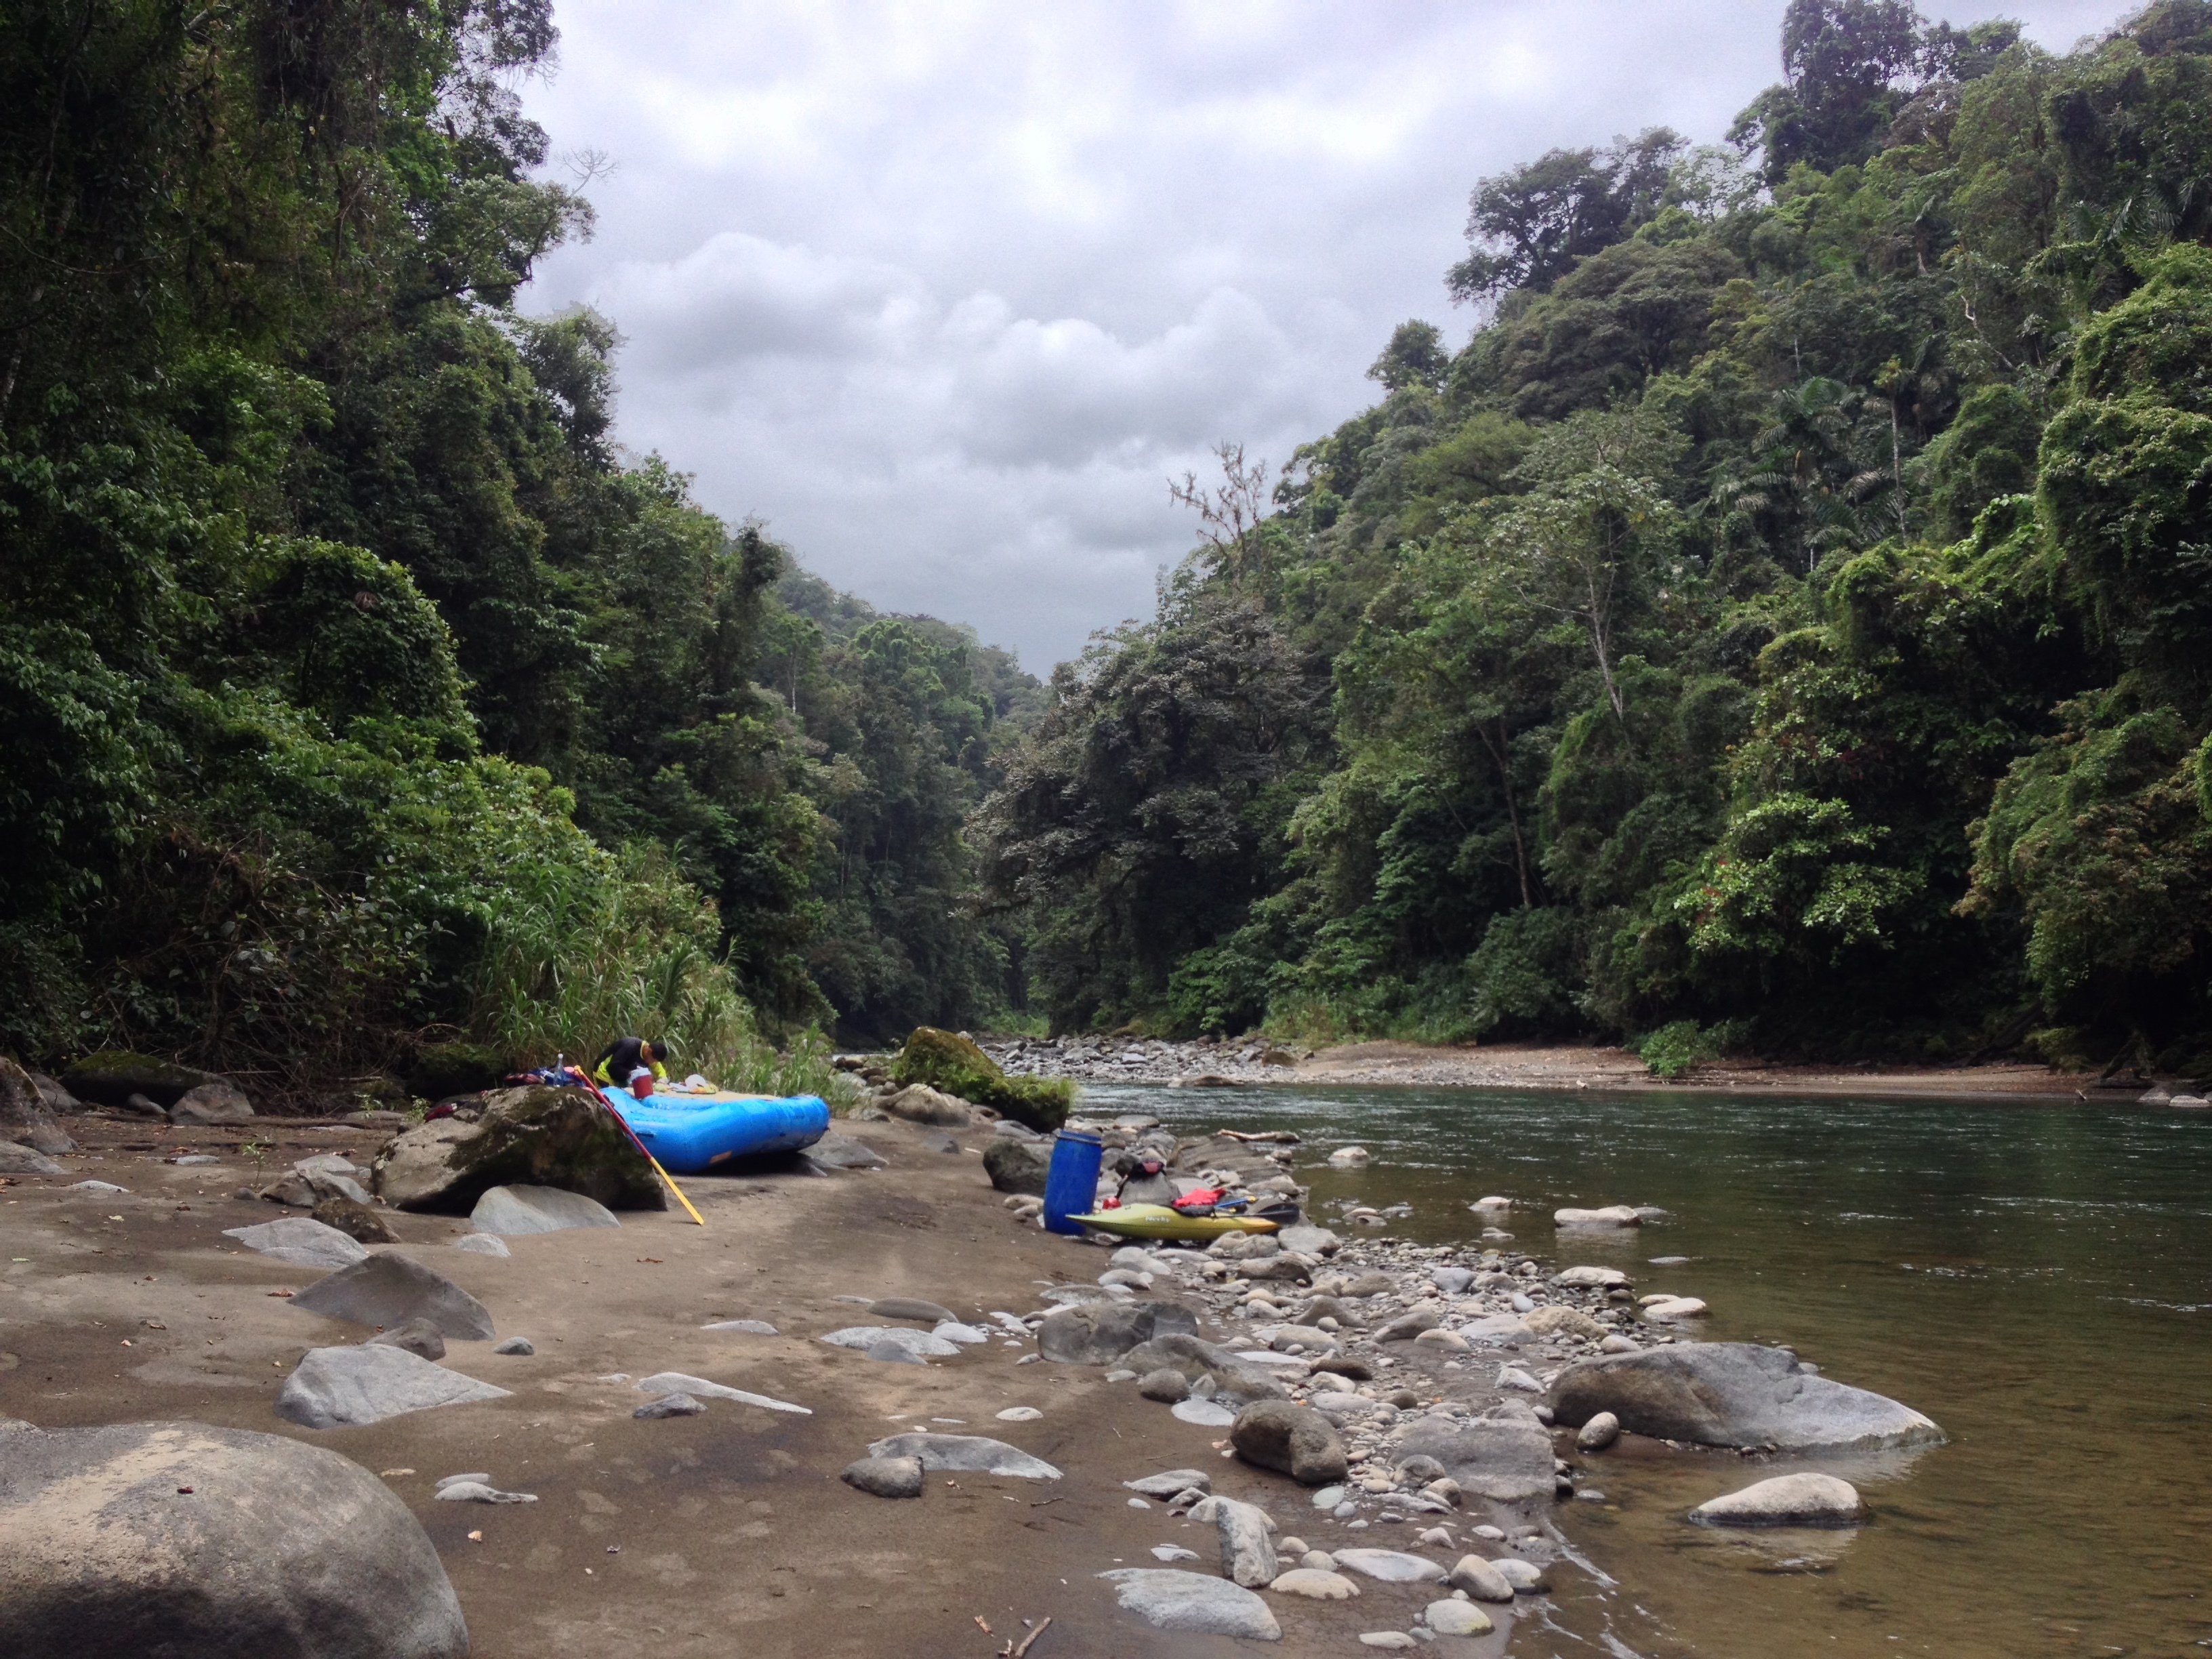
x=1787 y=622
x=364 y=708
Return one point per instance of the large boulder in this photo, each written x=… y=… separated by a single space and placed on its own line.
x=185 y=1541
x=59 y=1101
x=1293 y=1440
x=1734 y=1393
x=219 y=1102
x=540 y=1136
x=1508 y=1460
x=948 y=1061
x=1018 y=1166
x=112 y=1077
x=387 y=1290
x=1193 y=1603
x=25 y=1117
x=15 y=1158
x=345 y=1388
x=1100 y=1332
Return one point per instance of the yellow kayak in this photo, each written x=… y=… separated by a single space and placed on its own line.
x=1157 y=1221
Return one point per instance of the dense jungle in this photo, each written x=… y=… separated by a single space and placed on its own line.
x=1781 y=626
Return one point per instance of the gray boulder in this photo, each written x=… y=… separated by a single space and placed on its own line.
x=1192 y=1603
x=482 y=1244
x=25 y=1116
x=974 y=1453
x=1018 y=1166
x=920 y=1103
x=302 y=1242
x=836 y=1151
x=1407 y=1325
x=913 y=1308
x=1508 y=1460
x=1787 y=1500
x=916 y=1345
x=185 y=1541
x=418 y=1336
x=1195 y=1358
x=1292 y=1439
x=669 y=1405
x=1100 y=1332
x=1248 y=1555
x=1167 y=1385
x=1734 y=1393
x=59 y=1101
x=1172 y=1483
x=212 y=1103
x=885 y=1477
x=18 y=1159
x=344 y=1387
x=668 y=1383
x=389 y=1290
x=538 y=1136
x=354 y=1219
x=512 y=1211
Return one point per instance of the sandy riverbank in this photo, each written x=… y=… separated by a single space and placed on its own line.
x=685 y=1536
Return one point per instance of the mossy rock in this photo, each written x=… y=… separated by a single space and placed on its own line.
x=951 y=1063
x=441 y=1069
x=536 y=1136
x=113 y=1075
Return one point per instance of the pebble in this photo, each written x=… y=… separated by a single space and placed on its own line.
x=885 y=1477
x=1020 y=1414
x=749 y=1327
x=953 y=1331
x=1173 y=1553
x=1523 y=1576
x=94 y=1187
x=1600 y=1431
x=1328 y=1498
x=670 y=1405
x=196 y=1157
x=464 y=1491
x=1390 y=1640
x=1172 y=1483
x=482 y=1244
x=1139 y=1504
x=516 y=1344
x=1481 y=1580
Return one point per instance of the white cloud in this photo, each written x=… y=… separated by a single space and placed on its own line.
x=946 y=293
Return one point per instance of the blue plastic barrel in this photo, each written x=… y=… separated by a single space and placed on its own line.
x=1071 y=1184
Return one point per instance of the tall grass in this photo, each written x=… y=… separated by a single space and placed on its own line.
x=578 y=953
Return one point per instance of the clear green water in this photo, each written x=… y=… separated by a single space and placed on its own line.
x=2036 y=1278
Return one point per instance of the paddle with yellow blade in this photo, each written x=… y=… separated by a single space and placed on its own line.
x=599 y=1095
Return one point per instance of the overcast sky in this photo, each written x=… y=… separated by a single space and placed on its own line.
x=946 y=292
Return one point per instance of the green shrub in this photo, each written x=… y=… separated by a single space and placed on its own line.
x=1677 y=1049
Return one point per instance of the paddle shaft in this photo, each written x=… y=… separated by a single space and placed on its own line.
x=599 y=1095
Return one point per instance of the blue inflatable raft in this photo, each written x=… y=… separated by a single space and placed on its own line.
x=689 y=1133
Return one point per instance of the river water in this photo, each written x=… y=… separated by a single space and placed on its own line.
x=2037 y=1278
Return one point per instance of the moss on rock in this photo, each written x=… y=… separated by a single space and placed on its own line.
x=948 y=1061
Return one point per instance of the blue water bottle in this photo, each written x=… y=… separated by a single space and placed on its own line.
x=1071 y=1183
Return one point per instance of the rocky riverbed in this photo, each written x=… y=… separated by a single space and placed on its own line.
x=618 y=1433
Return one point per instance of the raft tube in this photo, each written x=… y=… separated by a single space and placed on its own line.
x=692 y=1133
x=1157 y=1221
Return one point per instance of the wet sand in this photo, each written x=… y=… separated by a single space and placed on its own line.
x=705 y=1535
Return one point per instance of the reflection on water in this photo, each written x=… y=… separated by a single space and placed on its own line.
x=2036 y=1278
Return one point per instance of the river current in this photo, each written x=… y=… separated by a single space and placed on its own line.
x=2037 y=1278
